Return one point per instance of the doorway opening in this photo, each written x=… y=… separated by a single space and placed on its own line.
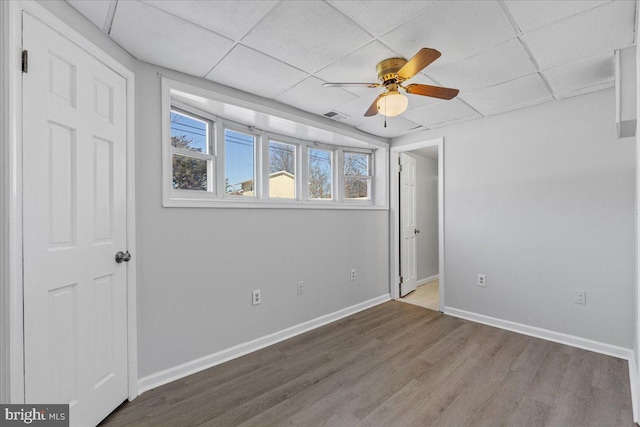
x=417 y=243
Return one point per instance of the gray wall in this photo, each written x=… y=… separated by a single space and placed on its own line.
x=198 y=266
x=541 y=200
x=427 y=215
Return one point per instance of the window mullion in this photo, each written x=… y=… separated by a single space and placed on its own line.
x=339 y=174
x=304 y=172
x=219 y=159
x=265 y=166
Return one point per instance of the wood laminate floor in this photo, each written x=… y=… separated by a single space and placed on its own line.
x=397 y=365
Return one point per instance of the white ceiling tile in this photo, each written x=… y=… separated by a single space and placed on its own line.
x=532 y=14
x=358 y=66
x=582 y=74
x=599 y=30
x=441 y=112
x=497 y=65
x=356 y=108
x=458 y=29
x=309 y=95
x=522 y=91
x=378 y=17
x=396 y=126
x=159 y=38
x=230 y=18
x=95 y=10
x=251 y=71
x=306 y=34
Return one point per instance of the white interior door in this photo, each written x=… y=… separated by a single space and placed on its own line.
x=74 y=193
x=408 y=227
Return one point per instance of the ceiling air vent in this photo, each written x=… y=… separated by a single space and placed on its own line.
x=335 y=115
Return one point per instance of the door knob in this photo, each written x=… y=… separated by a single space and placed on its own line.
x=123 y=256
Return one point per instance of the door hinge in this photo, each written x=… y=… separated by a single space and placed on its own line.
x=399 y=168
x=401 y=280
x=25 y=61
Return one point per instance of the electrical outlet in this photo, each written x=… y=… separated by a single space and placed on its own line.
x=482 y=280
x=353 y=274
x=580 y=296
x=300 y=288
x=256 y=297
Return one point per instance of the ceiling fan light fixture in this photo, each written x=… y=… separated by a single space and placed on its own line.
x=392 y=104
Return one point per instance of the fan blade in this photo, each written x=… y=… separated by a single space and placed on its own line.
x=424 y=57
x=432 y=91
x=373 y=109
x=351 y=85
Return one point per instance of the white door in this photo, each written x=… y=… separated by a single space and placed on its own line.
x=74 y=177
x=408 y=227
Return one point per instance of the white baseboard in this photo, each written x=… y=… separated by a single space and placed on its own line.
x=633 y=384
x=546 y=334
x=428 y=280
x=197 y=365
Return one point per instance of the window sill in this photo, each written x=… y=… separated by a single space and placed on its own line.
x=269 y=204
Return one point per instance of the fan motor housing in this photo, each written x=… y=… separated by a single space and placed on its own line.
x=388 y=68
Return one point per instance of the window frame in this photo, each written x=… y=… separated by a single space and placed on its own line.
x=274 y=137
x=370 y=177
x=257 y=149
x=211 y=157
x=334 y=183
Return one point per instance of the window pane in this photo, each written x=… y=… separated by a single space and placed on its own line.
x=319 y=173
x=189 y=173
x=189 y=133
x=282 y=178
x=356 y=164
x=239 y=163
x=356 y=188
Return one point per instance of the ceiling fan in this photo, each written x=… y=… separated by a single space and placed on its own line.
x=393 y=72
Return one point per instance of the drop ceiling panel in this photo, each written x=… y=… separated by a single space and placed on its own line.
x=579 y=75
x=255 y=72
x=358 y=66
x=159 y=38
x=95 y=11
x=378 y=17
x=530 y=15
x=497 y=65
x=231 y=19
x=306 y=34
x=458 y=29
x=523 y=91
x=396 y=126
x=309 y=95
x=441 y=112
x=598 y=30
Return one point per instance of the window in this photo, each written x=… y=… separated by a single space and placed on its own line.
x=240 y=163
x=357 y=176
x=320 y=173
x=282 y=170
x=218 y=154
x=191 y=152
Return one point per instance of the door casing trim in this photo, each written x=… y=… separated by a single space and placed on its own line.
x=11 y=284
x=394 y=218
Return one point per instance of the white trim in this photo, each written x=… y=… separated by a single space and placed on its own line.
x=163 y=377
x=633 y=384
x=12 y=37
x=546 y=334
x=394 y=219
x=428 y=280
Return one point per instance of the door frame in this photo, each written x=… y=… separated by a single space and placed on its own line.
x=11 y=232
x=394 y=218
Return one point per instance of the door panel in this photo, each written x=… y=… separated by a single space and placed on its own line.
x=74 y=218
x=408 y=266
